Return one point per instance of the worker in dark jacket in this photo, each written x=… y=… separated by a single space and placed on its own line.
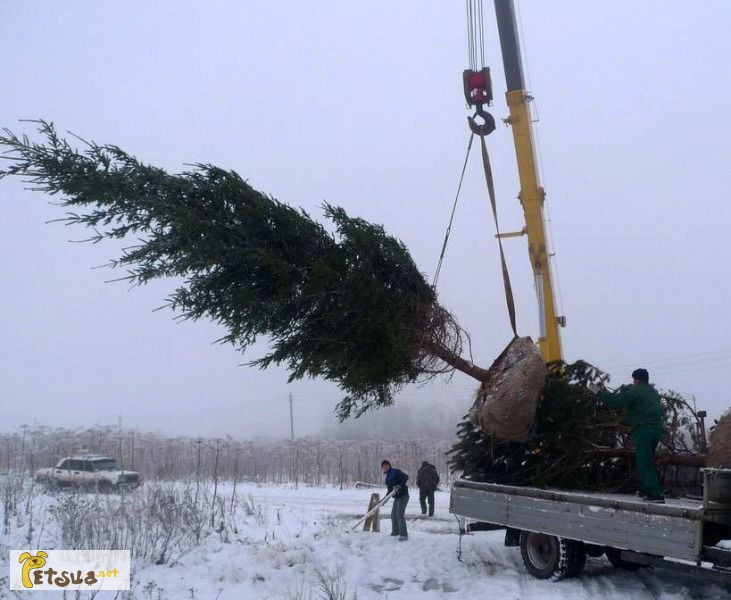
x=427 y=480
x=396 y=482
x=645 y=416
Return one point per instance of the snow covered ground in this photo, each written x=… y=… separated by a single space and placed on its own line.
x=284 y=536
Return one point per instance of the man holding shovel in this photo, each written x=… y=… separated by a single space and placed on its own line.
x=396 y=482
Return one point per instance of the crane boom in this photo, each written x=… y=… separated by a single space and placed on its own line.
x=531 y=193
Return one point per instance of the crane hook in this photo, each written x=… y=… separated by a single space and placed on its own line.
x=484 y=128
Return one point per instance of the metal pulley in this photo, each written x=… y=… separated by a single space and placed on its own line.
x=478 y=93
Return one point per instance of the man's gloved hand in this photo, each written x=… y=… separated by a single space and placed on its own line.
x=594 y=388
x=396 y=489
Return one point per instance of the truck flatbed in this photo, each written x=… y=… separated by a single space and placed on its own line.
x=680 y=529
x=674 y=507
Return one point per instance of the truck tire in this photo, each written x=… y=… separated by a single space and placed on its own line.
x=615 y=557
x=550 y=557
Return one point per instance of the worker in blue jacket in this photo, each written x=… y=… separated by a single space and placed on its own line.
x=396 y=482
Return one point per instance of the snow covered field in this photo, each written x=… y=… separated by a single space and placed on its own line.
x=283 y=543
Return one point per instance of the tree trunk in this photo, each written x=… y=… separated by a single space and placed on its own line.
x=455 y=361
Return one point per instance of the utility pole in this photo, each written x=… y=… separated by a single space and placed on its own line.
x=119 y=436
x=24 y=429
x=291 y=419
x=215 y=484
x=198 y=472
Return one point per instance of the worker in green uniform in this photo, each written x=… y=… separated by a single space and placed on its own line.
x=644 y=413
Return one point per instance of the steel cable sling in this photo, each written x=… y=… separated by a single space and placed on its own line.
x=506 y=275
x=509 y=300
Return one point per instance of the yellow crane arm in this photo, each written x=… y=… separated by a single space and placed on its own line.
x=531 y=193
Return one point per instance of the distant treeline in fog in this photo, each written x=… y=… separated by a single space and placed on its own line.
x=411 y=418
x=306 y=461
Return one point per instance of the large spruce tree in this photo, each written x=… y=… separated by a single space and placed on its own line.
x=346 y=304
x=349 y=305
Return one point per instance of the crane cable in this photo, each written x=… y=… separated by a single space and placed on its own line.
x=475 y=34
x=487 y=168
x=473 y=10
x=451 y=216
x=476 y=48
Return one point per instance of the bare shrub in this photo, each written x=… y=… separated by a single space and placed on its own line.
x=297 y=591
x=158 y=523
x=332 y=585
x=12 y=491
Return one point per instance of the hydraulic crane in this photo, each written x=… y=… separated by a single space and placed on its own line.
x=557 y=529
x=478 y=92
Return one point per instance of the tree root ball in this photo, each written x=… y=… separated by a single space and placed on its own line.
x=505 y=406
x=719 y=453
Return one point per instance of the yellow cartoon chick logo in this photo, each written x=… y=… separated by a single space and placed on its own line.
x=31 y=562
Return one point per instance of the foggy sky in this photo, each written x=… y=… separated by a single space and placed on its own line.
x=360 y=105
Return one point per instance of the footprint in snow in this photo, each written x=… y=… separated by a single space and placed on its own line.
x=389 y=585
x=433 y=584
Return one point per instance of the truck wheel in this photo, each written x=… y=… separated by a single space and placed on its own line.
x=615 y=557
x=550 y=557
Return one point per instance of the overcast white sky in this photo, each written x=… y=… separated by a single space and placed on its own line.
x=360 y=104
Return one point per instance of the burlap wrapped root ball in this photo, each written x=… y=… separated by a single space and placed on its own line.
x=719 y=453
x=506 y=402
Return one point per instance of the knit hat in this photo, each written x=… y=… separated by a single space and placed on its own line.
x=641 y=375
